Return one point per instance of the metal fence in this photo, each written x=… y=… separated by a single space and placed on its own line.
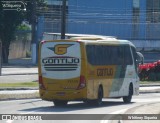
x=134 y=20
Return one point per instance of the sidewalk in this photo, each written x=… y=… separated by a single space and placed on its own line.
x=19 y=74
x=20 y=66
x=19 y=70
x=19 y=62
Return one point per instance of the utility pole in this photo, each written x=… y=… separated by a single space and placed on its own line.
x=33 y=21
x=0 y=57
x=34 y=43
x=63 y=19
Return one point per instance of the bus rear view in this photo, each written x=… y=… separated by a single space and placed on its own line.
x=60 y=76
x=87 y=69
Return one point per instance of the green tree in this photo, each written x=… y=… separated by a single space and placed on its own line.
x=9 y=20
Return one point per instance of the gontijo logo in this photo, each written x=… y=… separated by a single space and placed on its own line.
x=60 y=49
x=61 y=63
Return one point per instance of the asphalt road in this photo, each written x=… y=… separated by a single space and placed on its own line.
x=109 y=106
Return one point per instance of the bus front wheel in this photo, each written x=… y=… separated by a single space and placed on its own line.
x=60 y=103
x=127 y=99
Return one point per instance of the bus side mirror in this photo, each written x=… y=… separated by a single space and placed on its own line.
x=140 y=58
x=139 y=61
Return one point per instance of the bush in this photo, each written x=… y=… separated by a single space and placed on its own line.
x=28 y=54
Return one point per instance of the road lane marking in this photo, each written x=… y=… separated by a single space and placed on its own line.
x=9 y=121
x=115 y=112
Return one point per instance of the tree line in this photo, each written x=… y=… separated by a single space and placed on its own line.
x=11 y=19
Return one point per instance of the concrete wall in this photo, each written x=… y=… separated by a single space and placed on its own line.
x=20 y=46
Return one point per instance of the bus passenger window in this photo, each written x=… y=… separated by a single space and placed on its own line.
x=128 y=56
x=90 y=54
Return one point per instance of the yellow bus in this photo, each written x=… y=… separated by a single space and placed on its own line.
x=87 y=69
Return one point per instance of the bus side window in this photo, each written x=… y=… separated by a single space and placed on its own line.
x=134 y=54
x=91 y=54
x=99 y=55
x=107 y=55
x=128 y=57
x=135 y=58
x=103 y=55
x=120 y=59
x=114 y=53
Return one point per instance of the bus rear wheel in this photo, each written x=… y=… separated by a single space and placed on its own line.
x=98 y=101
x=60 y=103
x=127 y=99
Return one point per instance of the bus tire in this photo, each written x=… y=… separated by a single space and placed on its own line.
x=98 y=101
x=127 y=99
x=60 y=103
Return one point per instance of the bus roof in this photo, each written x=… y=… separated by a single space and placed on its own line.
x=105 y=41
x=70 y=35
x=91 y=38
x=96 y=38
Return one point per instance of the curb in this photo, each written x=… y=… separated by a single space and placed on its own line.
x=21 y=65
x=12 y=74
x=18 y=88
x=149 y=85
x=149 y=91
x=19 y=96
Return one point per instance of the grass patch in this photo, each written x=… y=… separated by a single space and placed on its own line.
x=22 y=84
x=149 y=82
